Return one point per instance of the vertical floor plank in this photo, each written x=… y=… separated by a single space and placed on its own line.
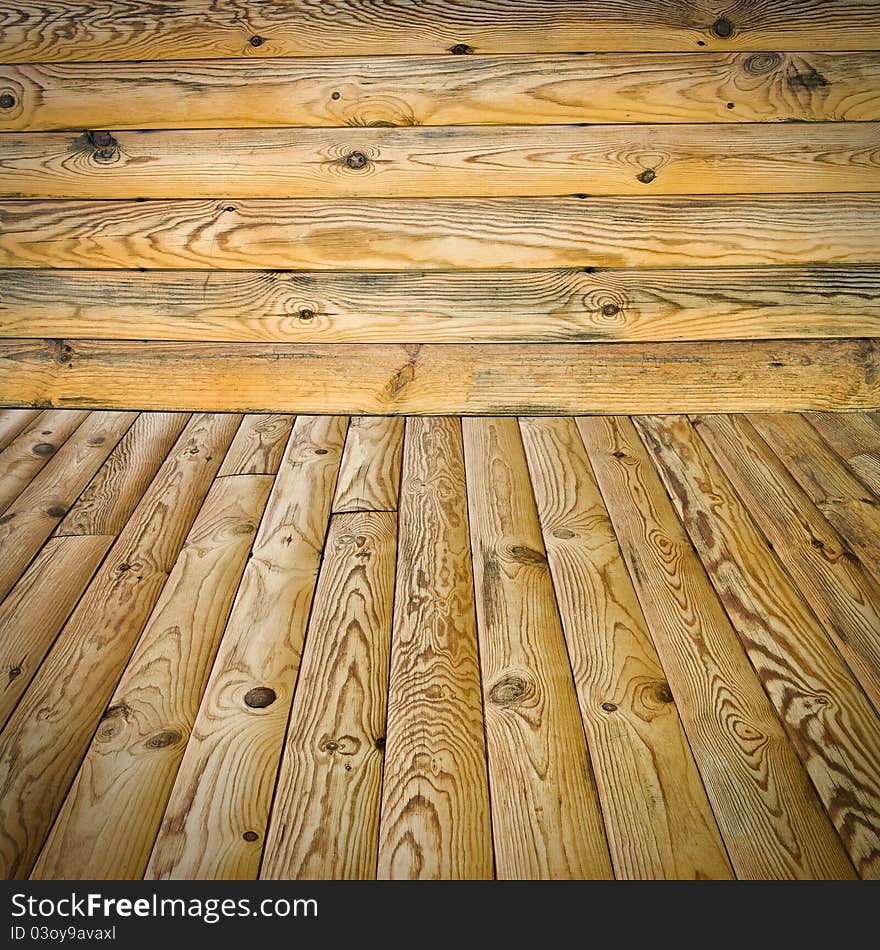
x=545 y=810
x=111 y=496
x=851 y=509
x=855 y=436
x=258 y=445
x=216 y=820
x=824 y=711
x=658 y=818
x=435 y=798
x=325 y=817
x=369 y=477
x=108 y=823
x=32 y=448
x=13 y=421
x=841 y=592
x=49 y=732
x=30 y=519
x=771 y=819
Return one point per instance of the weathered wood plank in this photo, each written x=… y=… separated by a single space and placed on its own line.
x=31 y=518
x=634 y=734
x=546 y=821
x=441 y=233
x=30 y=451
x=421 y=162
x=258 y=445
x=841 y=497
x=445 y=307
x=435 y=794
x=769 y=814
x=111 y=496
x=51 y=30
x=109 y=820
x=539 y=379
x=325 y=815
x=444 y=91
x=38 y=607
x=238 y=736
x=14 y=421
x=856 y=438
x=841 y=592
x=828 y=718
x=369 y=477
x=40 y=754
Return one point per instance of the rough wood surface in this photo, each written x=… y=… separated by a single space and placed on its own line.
x=769 y=814
x=369 y=477
x=448 y=307
x=441 y=233
x=325 y=814
x=435 y=803
x=828 y=718
x=237 y=739
x=856 y=438
x=420 y=162
x=840 y=590
x=751 y=376
x=112 y=812
x=546 y=821
x=50 y=30
x=13 y=421
x=444 y=91
x=40 y=751
x=258 y=445
x=633 y=731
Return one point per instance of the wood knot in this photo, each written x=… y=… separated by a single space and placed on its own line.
x=609 y=707
x=810 y=81
x=356 y=160
x=760 y=63
x=619 y=455
x=563 y=533
x=259 y=697
x=610 y=310
x=7 y=101
x=250 y=836
x=306 y=314
x=320 y=451
x=55 y=511
x=461 y=49
x=526 y=555
x=335 y=96
x=257 y=41
x=15 y=672
x=106 y=147
x=662 y=692
x=379 y=743
x=43 y=449
x=729 y=105
x=163 y=739
x=722 y=28
x=508 y=691
x=647 y=176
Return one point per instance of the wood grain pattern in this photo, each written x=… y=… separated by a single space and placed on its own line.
x=234 y=749
x=435 y=796
x=13 y=421
x=827 y=716
x=769 y=815
x=840 y=590
x=49 y=732
x=258 y=445
x=546 y=821
x=325 y=814
x=856 y=438
x=29 y=452
x=369 y=477
x=49 y=30
x=30 y=519
x=421 y=162
x=753 y=376
x=444 y=307
x=841 y=497
x=111 y=496
x=666 y=829
x=441 y=233
x=37 y=607
x=111 y=815
x=717 y=87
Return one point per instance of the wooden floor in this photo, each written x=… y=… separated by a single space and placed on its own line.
x=266 y=646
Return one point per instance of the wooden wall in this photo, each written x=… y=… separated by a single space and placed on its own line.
x=343 y=206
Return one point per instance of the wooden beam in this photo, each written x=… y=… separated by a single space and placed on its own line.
x=428 y=380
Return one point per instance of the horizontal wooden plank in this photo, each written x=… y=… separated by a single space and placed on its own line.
x=451 y=307
x=49 y=30
x=448 y=162
x=451 y=90
x=441 y=233
x=460 y=379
